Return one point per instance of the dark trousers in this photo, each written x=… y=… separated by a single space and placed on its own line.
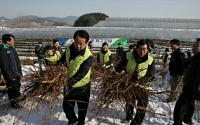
x=184 y=107
x=140 y=114
x=13 y=90
x=82 y=102
x=40 y=61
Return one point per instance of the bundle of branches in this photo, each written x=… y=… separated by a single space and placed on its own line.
x=46 y=84
x=114 y=90
x=27 y=62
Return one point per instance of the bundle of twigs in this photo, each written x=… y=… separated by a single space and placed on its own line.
x=114 y=90
x=47 y=84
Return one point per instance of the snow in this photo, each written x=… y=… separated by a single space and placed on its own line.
x=110 y=117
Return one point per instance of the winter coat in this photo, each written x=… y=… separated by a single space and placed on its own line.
x=192 y=75
x=58 y=49
x=120 y=52
x=82 y=71
x=39 y=51
x=10 y=63
x=176 y=64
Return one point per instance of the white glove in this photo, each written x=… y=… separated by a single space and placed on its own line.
x=123 y=71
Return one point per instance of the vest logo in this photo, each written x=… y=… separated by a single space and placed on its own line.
x=8 y=51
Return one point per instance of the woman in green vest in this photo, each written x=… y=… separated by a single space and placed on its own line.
x=78 y=60
x=104 y=56
x=143 y=65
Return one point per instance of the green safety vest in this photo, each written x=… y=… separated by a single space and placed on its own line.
x=164 y=55
x=74 y=65
x=54 y=58
x=104 y=58
x=141 y=67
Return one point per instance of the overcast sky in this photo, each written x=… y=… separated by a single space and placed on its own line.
x=113 y=8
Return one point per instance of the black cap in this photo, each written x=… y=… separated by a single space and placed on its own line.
x=40 y=42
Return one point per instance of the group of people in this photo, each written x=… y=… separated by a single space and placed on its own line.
x=48 y=54
x=186 y=70
x=79 y=59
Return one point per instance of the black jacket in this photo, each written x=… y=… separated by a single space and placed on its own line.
x=151 y=68
x=176 y=64
x=83 y=70
x=192 y=76
x=10 y=63
x=58 y=49
x=120 y=52
x=39 y=51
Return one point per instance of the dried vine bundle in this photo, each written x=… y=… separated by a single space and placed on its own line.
x=47 y=84
x=113 y=90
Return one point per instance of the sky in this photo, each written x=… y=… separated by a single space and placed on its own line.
x=187 y=9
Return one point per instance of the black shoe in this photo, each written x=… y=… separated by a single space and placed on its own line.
x=16 y=105
x=80 y=123
x=189 y=123
x=72 y=123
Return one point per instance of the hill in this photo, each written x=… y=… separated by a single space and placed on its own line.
x=39 y=20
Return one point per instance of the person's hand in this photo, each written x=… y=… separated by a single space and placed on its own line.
x=14 y=79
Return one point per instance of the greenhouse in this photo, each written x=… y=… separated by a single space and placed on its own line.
x=166 y=23
x=145 y=28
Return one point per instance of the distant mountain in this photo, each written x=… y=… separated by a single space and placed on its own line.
x=68 y=19
x=4 y=19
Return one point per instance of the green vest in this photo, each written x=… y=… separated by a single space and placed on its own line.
x=54 y=58
x=164 y=55
x=74 y=65
x=104 y=58
x=142 y=67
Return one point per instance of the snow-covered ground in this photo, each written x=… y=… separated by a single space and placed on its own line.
x=110 y=117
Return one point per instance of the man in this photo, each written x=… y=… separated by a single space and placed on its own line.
x=139 y=61
x=185 y=107
x=11 y=68
x=78 y=60
x=130 y=49
x=119 y=51
x=104 y=56
x=176 y=67
x=56 y=46
x=39 y=51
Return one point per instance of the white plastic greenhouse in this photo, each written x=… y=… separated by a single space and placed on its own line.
x=143 y=28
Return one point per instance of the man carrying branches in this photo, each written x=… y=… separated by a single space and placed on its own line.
x=142 y=67
x=78 y=59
